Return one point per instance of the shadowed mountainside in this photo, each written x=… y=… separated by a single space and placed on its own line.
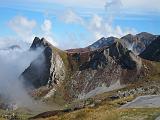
x=152 y=52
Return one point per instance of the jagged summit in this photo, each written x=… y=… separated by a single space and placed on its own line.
x=144 y=34
x=128 y=37
x=37 y=42
x=103 y=42
x=38 y=76
x=137 y=43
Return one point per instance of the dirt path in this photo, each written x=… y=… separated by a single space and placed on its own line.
x=158 y=118
x=149 y=101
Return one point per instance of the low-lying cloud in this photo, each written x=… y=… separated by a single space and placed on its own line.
x=13 y=63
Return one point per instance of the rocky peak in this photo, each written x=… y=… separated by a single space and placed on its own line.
x=144 y=34
x=103 y=42
x=128 y=37
x=138 y=43
x=37 y=42
x=51 y=65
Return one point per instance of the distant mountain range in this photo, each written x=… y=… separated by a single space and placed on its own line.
x=135 y=43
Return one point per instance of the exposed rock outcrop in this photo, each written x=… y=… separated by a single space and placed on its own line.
x=48 y=65
x=101 y=67
x=138 y=43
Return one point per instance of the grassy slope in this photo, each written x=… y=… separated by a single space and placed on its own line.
x=20 y=115
x=106 y=111
x=109 y=111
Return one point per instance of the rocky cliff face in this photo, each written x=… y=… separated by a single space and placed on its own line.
x=75 y=73
x=138 y=43
x=101 y=69
x=48 y=65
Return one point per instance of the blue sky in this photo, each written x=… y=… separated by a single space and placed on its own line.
x=75 y=23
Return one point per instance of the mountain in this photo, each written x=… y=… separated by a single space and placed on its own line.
x=152 y=52
x=48 y=64
x=101 y=68
x=103 y=42
x=75 y=74
x=138 y=43
x=86 y=82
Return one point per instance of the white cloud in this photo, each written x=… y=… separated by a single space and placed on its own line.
x=6 y=42
x=103 y=28
x=142 y=6
x=23 y=27
x=71 y=17
x=98 y=26
x=77 y=3
x=13 y=63
x=113 y=6
x=46 y=28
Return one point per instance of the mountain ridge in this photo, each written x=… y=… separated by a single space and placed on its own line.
x=76 y=72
